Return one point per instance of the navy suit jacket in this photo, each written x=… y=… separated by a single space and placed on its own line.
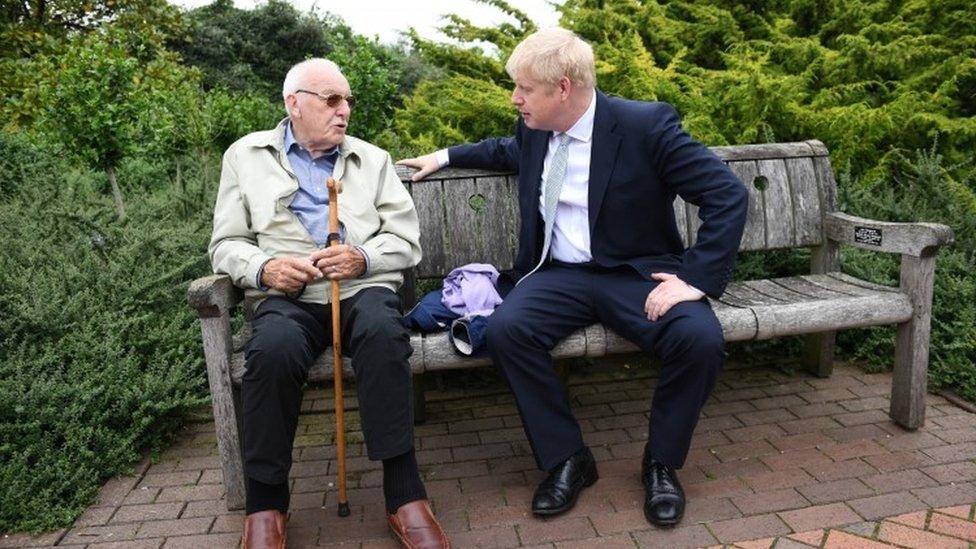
x=641 y=158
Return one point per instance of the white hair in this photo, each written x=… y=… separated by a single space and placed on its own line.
x=550 y=54
x=297 y=74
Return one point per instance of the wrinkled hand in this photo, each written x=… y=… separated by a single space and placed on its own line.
x=671 y=291
x=339 y=261
x=426 y=165
x=288 y=274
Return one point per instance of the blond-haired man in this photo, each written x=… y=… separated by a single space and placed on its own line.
x=598 y=243
x=270 y=232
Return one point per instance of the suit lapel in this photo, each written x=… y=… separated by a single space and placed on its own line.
x=531 y=182
x=603 y=156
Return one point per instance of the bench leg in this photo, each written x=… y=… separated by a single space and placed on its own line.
x=419 y=401
x=912 y=344
x=217 y=349
x=818 y=353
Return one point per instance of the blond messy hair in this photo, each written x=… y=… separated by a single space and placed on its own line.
x=550 y=54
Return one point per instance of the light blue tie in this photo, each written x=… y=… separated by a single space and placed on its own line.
x=553 y=186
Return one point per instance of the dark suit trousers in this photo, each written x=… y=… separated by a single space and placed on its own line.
x=287 y=337
x=551 y=303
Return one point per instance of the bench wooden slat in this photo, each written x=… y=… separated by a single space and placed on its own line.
x=681 y=219
x=837 y=285
x=730 y=300
x=501 y=213
x=463 y=237
x=807 y=210
x=834 y=314
x=777 y=203
x=692 y=222
x=745 y=294
x=808 y=288
x=853 y=281
x=826 y=185
x=738 y=323
x=767 y=287
x=428 y=199
x=754 y=236
x=770 y=150
x=405 y=173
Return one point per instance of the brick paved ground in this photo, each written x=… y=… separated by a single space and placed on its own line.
x=947 y=527
x=776 y=455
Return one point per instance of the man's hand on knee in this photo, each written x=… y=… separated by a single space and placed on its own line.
x=426 y=165
x=288 y=274
x=339 y=262
x=671 y=291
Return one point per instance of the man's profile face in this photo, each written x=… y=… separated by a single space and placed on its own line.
x=539 y=103
x=322 y=126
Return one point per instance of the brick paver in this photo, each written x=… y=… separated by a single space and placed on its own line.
x=779 y=460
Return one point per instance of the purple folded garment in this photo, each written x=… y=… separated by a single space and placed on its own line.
x=470 y=290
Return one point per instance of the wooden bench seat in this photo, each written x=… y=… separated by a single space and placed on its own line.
x=754 y=309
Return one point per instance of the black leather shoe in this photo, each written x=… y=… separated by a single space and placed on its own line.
x=558 y=493
x=664 y=502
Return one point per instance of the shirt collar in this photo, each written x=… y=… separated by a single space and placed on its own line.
x=350 y=148
x=291 y=142
x=582 y=130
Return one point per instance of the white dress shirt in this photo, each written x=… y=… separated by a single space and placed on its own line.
x=571 y=231
x=571 y=228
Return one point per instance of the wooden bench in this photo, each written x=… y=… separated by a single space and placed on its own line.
x=471 y=216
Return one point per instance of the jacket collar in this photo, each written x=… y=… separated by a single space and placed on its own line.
x=275 y=139
x=351 y=149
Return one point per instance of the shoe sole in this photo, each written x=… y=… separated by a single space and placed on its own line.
x=571 y=503
x=402 y=542
x=662 y=523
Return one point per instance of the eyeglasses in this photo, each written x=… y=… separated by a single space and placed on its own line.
x=332 y=100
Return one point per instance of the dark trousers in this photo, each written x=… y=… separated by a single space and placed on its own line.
x=548 y=305
x=287 y=337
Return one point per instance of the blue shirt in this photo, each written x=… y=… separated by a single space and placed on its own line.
x=311 y=202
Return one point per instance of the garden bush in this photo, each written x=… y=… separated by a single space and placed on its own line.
x=100 y=354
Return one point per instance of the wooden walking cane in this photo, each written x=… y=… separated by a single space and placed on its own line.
x=335 y=187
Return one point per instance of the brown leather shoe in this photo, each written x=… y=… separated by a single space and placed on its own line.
x=265 y=530
x=415 y=527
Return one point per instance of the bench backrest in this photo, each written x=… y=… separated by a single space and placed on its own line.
x=471 y=216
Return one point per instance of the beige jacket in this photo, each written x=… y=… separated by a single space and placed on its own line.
x=252 y=222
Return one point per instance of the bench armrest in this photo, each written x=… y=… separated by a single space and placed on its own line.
x=914 y=239
x=213 y=295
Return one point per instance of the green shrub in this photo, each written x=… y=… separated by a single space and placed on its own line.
x=26 y=163
x=923 y=188
x=101 y=355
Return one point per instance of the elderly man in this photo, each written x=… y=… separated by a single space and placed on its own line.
x=270 y=232
x=598 y=243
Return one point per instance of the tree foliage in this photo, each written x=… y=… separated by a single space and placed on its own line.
x=251 y=50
